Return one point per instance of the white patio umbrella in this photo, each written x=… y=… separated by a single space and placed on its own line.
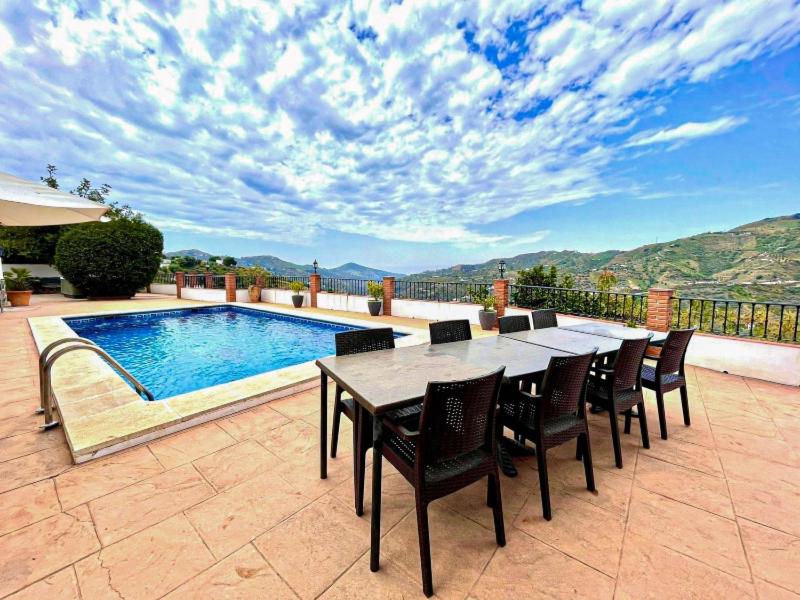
x=28 y=203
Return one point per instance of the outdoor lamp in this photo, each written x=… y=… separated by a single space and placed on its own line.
x=315 y=264
x=502 y=266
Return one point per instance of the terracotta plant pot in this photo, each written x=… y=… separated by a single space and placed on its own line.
x=487 y=318
x=255 y=293
x=374 y=307
x=297 y=300
x=19 y=297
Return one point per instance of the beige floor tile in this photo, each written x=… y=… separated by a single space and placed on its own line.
x=238 y=515
x=34 y=467
x=29 y=504
x=460 y=550
x=613 y=488
x=527 y=568
x=299 y=406
x=582 y=530
x=232 y=465
x=253 y=423
x=38 y=550
x=61 y=586
x=147 y=502
x=21 y=424
x=302 y=473
x=690 y=456
x=397 y=497
x=388 y=583
x=603 y=449
x=770 y=448
x=774 y=556
x=651 y=571
x=146 y=565
x=769 y=591
x=190 y=445
x=292 y=439
x=243 y=575
x=751 y=424
x=706 y=537
x=313 y=547
x=684 y=485
x=105 y=475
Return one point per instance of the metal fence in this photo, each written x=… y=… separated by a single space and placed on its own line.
x=204 y=281
x=162 y=277
x=615 y=306
x=440 y=291
x=774 y=321
x=356 y=287
x=282 y=282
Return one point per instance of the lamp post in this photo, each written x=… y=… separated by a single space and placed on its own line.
x=315 y=264
x=502 y=266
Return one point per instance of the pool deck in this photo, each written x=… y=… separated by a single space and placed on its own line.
x=234 y=508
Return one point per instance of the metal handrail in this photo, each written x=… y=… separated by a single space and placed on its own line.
x=43 y=359
x=46 y=387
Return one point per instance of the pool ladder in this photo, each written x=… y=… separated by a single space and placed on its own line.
x=46 y=362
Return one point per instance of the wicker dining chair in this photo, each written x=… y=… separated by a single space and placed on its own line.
x=669 y=374
x=514 y=323
x=443 y=332
x=618 y=389
x=544 y=318
x=555 y=416
x=453 y=447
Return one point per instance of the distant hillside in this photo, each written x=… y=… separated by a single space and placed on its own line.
x=278 y=266
x=759 y=260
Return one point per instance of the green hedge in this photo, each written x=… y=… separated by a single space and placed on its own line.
x=113 y=259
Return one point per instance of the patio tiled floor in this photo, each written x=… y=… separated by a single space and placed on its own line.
x=234 y=508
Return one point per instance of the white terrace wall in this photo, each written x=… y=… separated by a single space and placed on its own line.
x=276 y=296
x=435 y=311
x=347 y=302
x=203 y=294
x=163 y=288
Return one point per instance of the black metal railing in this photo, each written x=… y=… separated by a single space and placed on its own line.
x=441 y=291
x=335 y=285
x=615 y=306
x=162 y=277
x=774 y=321
x=282 y=282
x=204 y=281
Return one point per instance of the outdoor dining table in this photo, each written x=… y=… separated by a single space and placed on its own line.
x=617 y=331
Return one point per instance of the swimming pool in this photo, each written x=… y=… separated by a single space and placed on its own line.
x=179 y=351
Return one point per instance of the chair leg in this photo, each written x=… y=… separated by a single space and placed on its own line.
x=544 y=485
x=612 y=414
x=424 y=547
x=643 y=425
x=588 y=468
x=337 y=414
x=662 y=415
x=360 y=449
x=578 y=450
x=627 y=422
x=497 y=509
x=685 y=404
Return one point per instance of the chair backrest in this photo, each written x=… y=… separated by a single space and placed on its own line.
x=364 y=340
x=513 y=323
x=458 y=417
x=443 y=332
x=674 y=350
x=628 y=363
x=544 y=318
x=564 y=385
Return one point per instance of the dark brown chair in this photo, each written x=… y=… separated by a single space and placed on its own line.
x=619 y=388
x=514 y=323
x=444 y=332
x=669 y=374
x=544 y=318
x=453 y=447
x=555 y=416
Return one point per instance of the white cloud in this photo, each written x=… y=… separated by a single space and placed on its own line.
x=687 y=131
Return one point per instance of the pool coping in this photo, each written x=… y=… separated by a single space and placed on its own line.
x=101 y=414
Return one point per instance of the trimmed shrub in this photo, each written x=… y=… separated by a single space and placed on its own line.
x=113 y=259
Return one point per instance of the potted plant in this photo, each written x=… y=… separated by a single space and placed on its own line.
x=19 y=286
x=487 y=316
x=375 y=292
x=297 y=297
x=258 y=277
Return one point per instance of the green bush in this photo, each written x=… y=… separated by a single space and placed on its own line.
x=375 y=290
x=110 y=259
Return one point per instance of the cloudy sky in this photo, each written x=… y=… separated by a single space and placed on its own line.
x=407 y=134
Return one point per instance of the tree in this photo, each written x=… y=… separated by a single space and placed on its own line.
x=606 y=280
x=229 y=261
x=113 y=259
x=537 y=286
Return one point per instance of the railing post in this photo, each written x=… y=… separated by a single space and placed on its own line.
x=659 y=309
x=178 y=283
x=209 y=280
x=388 y=294
x=314 y=283
x=230 y=287
x=500 y=296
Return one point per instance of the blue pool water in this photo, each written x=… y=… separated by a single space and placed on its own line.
x=181 y=351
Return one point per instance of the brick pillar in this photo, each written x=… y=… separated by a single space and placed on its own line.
x=500 y=296
x=388 y=294
x=209 y=280
x=314 y=284
x=178 y=283
x=659 y=309
x=230 y=287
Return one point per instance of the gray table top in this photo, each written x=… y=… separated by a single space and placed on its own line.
x=575 y=342
x=617 y=331
x=387 y=379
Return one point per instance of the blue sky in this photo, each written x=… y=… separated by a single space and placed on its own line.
x=411 y=134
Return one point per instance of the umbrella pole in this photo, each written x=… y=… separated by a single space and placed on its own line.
x=2 y=287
